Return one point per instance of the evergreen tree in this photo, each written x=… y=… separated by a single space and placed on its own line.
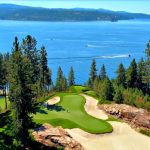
x=118 y=97
x=102 y=75
x=121 y=79
x=71 y=77
x=45 y=72
x=147 y=69
x=140 y=75
x=96 y=85
x=93 y=73
x=59 y=79
x=64 y=84
x=106 y=89
x=21 y=92
x=48 y=79
x=29 y=48
x=132 y=75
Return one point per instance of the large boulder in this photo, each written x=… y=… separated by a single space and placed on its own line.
x=48 y=135
x=135 y=116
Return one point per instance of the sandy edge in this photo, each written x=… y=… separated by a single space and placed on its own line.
x=92 y=109
x=53 y=100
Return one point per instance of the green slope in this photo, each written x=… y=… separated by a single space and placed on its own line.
x=70 y=113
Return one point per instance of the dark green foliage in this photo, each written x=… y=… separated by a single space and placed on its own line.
x=29 y=48
x=48 y=79
x=118 y=97
x=147 y=69
x=106 y=89
x=61 y=81
x=71 y=78
x=131 y=75
x=96 y=85
x=145 y=132
x=22 y=91
x=140 y=75
x=93 y=73
x=45 y=72
x=121 y=76
x=102 y=74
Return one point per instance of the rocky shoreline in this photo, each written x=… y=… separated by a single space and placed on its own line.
x=138 y=118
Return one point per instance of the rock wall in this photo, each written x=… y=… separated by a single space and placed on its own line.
x=138 y=118
x=49 y=135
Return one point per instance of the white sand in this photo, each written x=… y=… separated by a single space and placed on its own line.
x=53 y=100
x=123 y=136
x=92 y=109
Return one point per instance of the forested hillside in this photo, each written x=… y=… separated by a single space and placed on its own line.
x=15 y=12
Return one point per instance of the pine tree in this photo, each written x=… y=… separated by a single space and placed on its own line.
x=29 y=48
x=147 y=69
x=71 y=77
x=121 y=78
x=45 y=72
x=140 y=75
x=132 y=75
x=59 y=79
x=64 y=84
x=118 y=97
x=102 y=75
x=96 y=85
x=106 y=89
x=93 y=73
x=48 y=79
x=21 y=92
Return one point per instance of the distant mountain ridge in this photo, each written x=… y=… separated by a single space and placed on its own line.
x=17 y=12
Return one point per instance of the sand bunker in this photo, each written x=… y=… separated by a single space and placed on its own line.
x=92 y=109
x=123 y=136
x=53 y=101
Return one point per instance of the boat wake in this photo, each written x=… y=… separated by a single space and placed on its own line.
x=115 y=56
x=94 y=46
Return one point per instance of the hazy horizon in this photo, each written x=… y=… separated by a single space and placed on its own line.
x=135 y=6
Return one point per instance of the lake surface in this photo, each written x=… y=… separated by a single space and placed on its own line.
x=77 y=43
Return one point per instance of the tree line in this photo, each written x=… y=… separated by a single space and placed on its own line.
x=131 y=86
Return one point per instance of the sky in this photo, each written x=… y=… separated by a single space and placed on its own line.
x=138 y=6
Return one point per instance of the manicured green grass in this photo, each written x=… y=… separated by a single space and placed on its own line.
x=78 y=89
x=70 y=113
x=91 y=93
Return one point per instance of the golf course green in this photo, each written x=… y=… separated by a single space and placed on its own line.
x=70 y=113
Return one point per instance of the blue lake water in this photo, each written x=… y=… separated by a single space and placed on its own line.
x=109 y=42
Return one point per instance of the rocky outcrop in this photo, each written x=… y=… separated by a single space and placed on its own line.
x=49 y=135
x=138 y=118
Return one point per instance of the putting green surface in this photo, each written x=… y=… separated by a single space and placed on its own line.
x=70 y=113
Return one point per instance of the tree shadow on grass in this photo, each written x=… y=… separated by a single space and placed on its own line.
x=55 y=108
x=41 y=111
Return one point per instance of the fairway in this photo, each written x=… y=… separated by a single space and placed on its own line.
x=70 y=113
